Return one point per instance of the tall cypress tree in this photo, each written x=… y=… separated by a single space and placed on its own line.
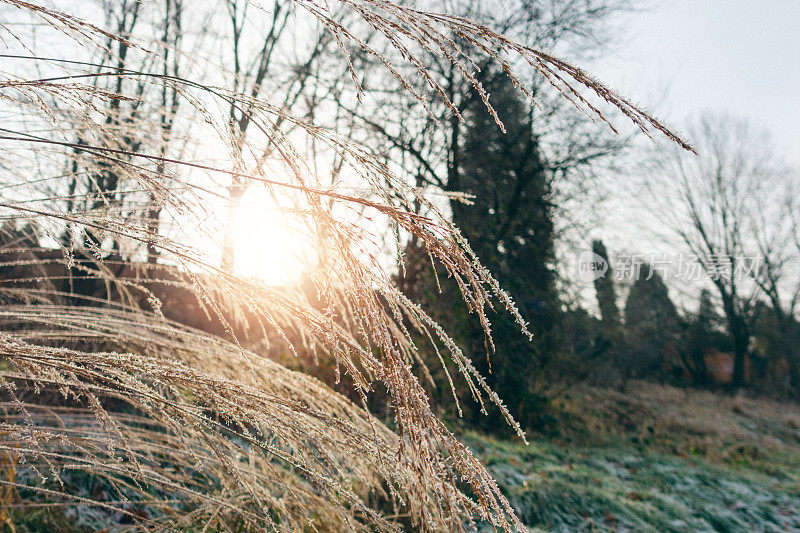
x=608 y=349
x=651 y=323
x=606 y=293
x=701 y=336
x=510 y=225
x=510 y=228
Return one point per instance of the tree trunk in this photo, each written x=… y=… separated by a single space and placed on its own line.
x=740 y=343
x=741 y=339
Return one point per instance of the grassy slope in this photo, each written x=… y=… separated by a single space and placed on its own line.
x=653 y=458
x=656 y=458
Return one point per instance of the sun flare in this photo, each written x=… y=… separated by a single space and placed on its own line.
x=272 y=243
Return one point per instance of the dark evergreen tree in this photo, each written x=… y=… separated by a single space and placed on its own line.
x=606 y=293
x=581 y=329
x=607 y=345
x=775 y=342
x=510 y=228
x=652 y=326
x=702 y=332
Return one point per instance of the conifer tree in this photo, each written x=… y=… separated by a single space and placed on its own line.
x=510 y=227
x=651 y=323
x=606 y=293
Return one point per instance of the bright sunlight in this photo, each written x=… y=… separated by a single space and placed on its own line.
x=271 y=242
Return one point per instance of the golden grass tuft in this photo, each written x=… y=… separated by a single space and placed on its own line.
x=176 y=427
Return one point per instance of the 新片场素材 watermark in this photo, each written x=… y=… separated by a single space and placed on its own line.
x=684 y=267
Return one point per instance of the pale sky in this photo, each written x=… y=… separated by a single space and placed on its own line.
x=681 y=57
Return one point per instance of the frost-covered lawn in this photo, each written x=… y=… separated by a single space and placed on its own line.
x=618 y=489
x=654 y=458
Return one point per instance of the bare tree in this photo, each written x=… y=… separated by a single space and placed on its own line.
x=715 y=204
x=169 y=103
x=275 y=64
x=121 y=115
x=775 y=233
x=138 y=115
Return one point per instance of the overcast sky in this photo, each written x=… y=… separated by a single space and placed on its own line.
x=681 y=57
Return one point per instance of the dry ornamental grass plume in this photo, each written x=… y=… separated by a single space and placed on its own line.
x=117 y=412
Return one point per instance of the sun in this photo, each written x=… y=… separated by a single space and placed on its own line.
x=271 y=241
